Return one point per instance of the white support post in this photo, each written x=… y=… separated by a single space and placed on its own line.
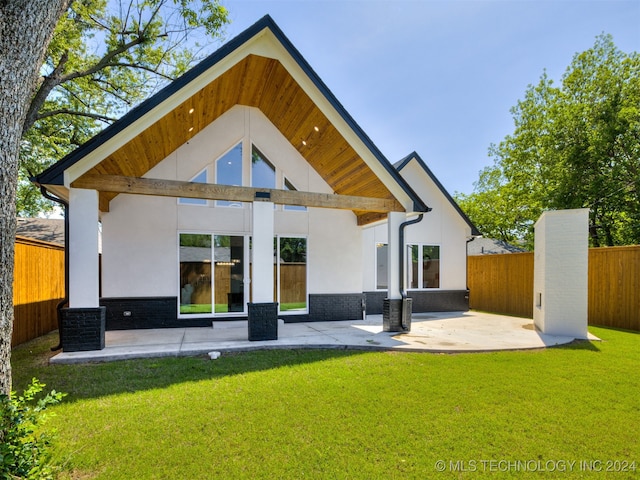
x=84 y=269
x=263 y=232
x=394 y=220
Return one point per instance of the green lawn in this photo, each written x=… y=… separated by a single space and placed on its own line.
x=349 y=414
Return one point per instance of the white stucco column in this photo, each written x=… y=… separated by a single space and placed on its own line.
x=560 y=274
x=394 y=219
x=263 y=228
x=83 y=249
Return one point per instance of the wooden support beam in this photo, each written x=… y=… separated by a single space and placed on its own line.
x=208 y=191
x=103 y=203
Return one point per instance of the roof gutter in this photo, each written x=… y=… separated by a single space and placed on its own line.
x=65 y=300
x=401 y=249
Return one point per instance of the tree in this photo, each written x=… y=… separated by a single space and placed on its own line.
x=25 y=30
x=56 y=90
x=104 y=58
x=574 y=146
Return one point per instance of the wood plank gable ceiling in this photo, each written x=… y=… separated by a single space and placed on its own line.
x=263 y=83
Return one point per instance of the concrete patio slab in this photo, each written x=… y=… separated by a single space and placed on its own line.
x=442 y=332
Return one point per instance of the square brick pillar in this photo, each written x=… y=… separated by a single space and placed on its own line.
x=83 y=329
x=263 y=321
x=396 y=315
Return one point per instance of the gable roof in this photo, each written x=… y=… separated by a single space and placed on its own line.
x=414 y=156
x=259 y=68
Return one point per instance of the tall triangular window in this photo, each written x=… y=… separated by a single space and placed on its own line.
x=229 y=172
x=199 y=178
x=289 y=186
x=263 y=173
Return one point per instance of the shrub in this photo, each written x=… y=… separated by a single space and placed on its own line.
x=24 y=446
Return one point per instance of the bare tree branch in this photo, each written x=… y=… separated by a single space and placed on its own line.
x=67 y=111
x=140 y=67
x=109 y=88
x=46 y=86
x=56 y=78
x=104 y=61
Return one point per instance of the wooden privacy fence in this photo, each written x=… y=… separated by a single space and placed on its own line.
x=614 y=287
x=38 y=287
x=504 y=284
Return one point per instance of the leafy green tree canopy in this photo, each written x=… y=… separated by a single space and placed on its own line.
x=104 y=58
x=576 y=145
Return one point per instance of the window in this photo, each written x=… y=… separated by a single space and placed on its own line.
x=382 y=267
x=200 y=178
x=423 y=266
x=195 y=274
x=229 y=273
x=289 y=186
x=291 y=273
x=413 y=266
x=229 y=172
x=263 y=173
x=430 y=266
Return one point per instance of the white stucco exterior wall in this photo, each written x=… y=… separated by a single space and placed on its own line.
x=140 y=233
x=442 y=226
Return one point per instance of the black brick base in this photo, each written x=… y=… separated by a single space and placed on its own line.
x=393 y=314
x=263 y=321
x=162 y=312
x=424 y=301
x=82 y=329
x=335 y=307
x=147 y=312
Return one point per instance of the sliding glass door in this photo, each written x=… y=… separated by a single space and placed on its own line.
x=213 y=269
x=229 y=273
x=212 y=273
x=195 y=274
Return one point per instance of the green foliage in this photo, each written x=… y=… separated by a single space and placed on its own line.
x=24 y=450
x=293 y=250
x=574 y=146
x=195 y=240
x=106 y=57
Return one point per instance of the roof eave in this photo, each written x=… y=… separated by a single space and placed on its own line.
x=55 y=175
x=414 y=156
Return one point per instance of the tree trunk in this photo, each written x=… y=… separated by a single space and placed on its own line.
x=26 y=27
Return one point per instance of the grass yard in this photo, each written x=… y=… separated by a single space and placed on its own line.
x=348 y=414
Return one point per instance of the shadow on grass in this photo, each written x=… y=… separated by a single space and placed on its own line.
x=93 y=380
x=622 y=342
x=579 y=345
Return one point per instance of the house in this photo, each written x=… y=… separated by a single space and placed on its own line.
x=491 y=246
x=245 y=190
x=49 y=230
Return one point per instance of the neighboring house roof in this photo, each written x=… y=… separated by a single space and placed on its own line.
x=490 y=246
x=44 y=229
x=414 y=156
x=259 y=68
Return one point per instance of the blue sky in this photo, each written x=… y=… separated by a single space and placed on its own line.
x=439 y=77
